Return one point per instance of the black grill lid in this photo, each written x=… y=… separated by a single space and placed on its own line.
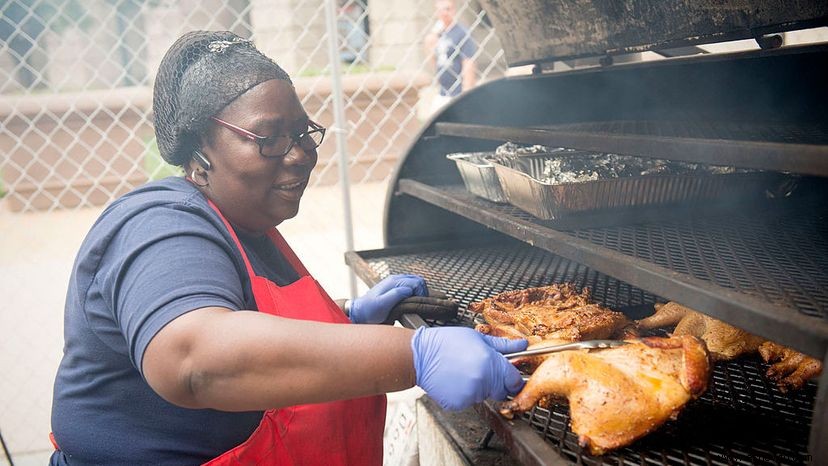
x=534 y=31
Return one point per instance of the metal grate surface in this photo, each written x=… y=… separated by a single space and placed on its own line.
x=735 y=130
x=741 y=419
x=469 y=275
x=780 y=254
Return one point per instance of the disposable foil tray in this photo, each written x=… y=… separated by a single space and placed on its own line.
x=479 y=175
x=521 y=180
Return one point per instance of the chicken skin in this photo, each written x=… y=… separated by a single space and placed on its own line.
x=620 y=394
x=724 y=341
x=791 y=369
x=555 y=312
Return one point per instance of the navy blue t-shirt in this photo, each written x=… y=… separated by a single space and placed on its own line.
x=153 y=255
x=453 y=46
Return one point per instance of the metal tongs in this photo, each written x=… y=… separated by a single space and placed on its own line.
x=590 y=344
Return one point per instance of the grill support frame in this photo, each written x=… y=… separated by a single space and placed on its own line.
x=807 y=159
x=819 y=424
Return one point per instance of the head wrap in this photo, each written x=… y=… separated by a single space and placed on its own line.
x=201 y=73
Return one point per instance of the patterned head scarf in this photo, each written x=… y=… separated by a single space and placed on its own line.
x=201 y=73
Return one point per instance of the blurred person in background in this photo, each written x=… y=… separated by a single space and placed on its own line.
x=193 y=333
x=21 y=28
x=352 y=26
x=451 y=50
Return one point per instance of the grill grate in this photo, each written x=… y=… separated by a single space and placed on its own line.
x=767 y=146
x=471 y=275
x=733 y=130
x=781 y=255
x=741 y=419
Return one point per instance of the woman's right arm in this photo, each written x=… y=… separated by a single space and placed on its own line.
x=168 y=288
x=246 y=360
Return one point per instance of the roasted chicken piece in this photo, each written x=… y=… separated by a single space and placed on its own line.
x=793 y=370
x=790 y=369
x=620 y=394
x=551 y=312
x=724 y=341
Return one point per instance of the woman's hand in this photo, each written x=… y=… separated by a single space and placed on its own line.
x=376 y=304
x=458 y=366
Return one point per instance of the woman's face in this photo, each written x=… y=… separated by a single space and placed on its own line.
x=252 y=191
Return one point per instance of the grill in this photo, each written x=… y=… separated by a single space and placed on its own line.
x=759 y=264
x=741 y=418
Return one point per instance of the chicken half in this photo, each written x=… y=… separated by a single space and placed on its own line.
x=554 y=312
x=620 y=394
x=789 y=369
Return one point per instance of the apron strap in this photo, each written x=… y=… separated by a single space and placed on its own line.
x=250 y=272
x=274 y=236
x=285 y=249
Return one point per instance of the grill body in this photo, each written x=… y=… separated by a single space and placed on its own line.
x=762 y=265
x=540 y=30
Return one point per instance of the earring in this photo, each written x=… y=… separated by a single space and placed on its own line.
x=193 y=177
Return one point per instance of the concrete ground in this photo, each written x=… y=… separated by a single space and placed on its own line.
x=36 y=255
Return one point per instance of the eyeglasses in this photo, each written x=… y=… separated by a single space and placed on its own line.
x=280 y=145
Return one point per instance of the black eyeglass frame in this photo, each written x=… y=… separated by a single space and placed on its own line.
x=261 y=141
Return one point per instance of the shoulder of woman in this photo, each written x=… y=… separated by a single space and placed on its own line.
x=169 y=193
x=159 y=207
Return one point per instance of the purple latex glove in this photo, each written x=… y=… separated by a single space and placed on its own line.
x=458 y=366
x=374 y=306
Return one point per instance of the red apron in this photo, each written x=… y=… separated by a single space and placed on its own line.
x=347 y=432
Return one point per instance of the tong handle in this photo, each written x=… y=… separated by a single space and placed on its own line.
x=591 y=344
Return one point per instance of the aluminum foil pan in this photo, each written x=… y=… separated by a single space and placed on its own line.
x=479 y=175
x=521 y=180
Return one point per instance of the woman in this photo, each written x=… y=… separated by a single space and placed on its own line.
x=194 y=334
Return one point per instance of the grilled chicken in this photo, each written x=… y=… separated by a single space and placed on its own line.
x=555 y=312
x=793 y=370
x=790 y=369
x=724 y=341
x=620 y=394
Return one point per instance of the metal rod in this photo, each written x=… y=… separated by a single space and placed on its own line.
x=340 y=131
x=484 y=442
x=6 y=450
x=578 y=345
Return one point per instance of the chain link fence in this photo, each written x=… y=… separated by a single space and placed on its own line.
x=76 y=132
x=76 y=80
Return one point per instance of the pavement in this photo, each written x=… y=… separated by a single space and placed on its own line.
x=36 y=256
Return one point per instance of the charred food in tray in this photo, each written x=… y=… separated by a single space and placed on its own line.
x=789 y=369
x=571 y=166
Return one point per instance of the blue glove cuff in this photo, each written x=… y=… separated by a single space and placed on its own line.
x=415 y=350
